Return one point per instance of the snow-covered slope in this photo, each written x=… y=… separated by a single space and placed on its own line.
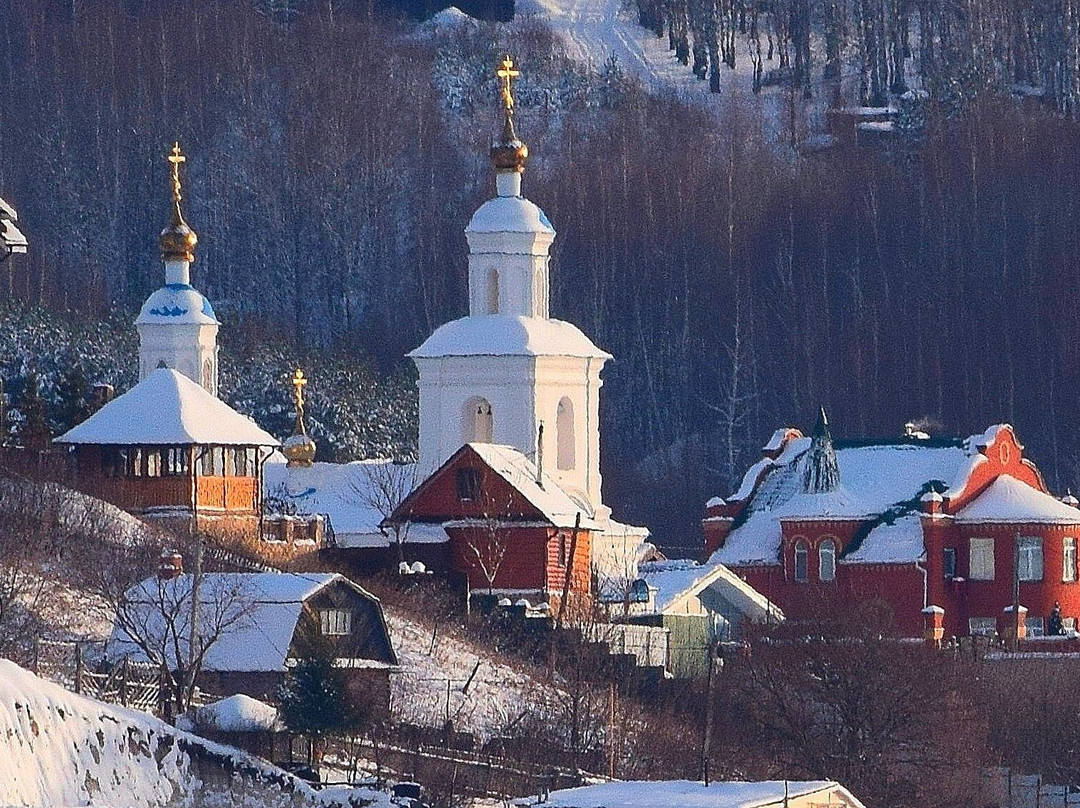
x=60 y=749
x=596 y=30
x=494 y=699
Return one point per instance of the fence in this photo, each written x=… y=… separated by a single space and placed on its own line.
x=1009 y=790
x=647 y=644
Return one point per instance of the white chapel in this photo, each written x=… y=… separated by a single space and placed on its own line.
x=509 y=373
x=177 y=326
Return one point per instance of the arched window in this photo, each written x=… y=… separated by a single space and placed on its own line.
x=478 y=423
x=564 y=434
x=801 y=554
x=493 y=291
x=827 y=560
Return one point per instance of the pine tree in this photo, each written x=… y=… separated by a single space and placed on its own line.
x=315 y=699
x=74 y=394
x=34 y=430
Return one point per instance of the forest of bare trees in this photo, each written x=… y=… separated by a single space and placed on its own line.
x=954 y=49
x=335 y=161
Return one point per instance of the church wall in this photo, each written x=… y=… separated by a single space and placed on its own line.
x=446 y=385
x=183 y=347
x=578 y=380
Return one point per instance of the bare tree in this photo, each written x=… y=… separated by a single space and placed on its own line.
x=488 y=539
x=174 y=622
x=386 y=484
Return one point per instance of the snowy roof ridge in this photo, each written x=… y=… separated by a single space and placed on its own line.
x=690 y=794
x=168 y=409
x=510 y=463
x=1008 y=500
x=676 y=579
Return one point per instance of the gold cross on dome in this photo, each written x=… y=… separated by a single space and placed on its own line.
x=176 y=158
x=507 y=73
x=299 y=383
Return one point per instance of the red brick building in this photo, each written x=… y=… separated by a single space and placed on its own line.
x=512 y=530
x=819 y=525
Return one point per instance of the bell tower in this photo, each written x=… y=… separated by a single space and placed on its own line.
x=508 y=373
x=177 y=326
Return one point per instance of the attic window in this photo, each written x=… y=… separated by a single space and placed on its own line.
x=335 y=622
x=468 y=485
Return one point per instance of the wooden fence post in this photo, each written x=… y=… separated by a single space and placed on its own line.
x=78 y=668
x=124 y=669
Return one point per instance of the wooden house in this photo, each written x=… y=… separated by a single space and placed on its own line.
x=169 y=450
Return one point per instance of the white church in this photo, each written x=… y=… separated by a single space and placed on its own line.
x=507 y=374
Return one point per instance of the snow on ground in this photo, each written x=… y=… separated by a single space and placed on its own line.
x=61 y=749
x=495 y=698
x=596 y=30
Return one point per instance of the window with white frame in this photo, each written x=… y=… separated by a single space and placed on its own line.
x=982 y=626
x=1034 y=627
x=1068 y=559
x=335 y=622
x=801 y=561
x=827 y=560
x=1068 y=623
x=1030 y=558
x=981 y=560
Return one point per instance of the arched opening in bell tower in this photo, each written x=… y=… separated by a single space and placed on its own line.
x=478 y=422
x=566 y=459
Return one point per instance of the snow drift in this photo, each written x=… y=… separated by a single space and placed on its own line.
x=60 y=749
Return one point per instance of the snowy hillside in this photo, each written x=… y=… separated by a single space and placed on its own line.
x=486 y=695
x=596 y=30
x=66 y=750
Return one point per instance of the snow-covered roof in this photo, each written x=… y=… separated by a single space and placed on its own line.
x=176 y=304
x=507 y=335
x=679 y=579
x=167 y=409
x=1008 y=500
x=509 y=214
x=261 y=611
x=520 y=472
x=891 y=543
x=238 y=713
x=10 y=235
x=691 y=794
x=874 y=478
x=356 y=497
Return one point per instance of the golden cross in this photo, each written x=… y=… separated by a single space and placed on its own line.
x=507 y=73
x=176 y=158
x=298 y=383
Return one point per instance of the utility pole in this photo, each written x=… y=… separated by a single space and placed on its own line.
x=716 y=665
x=1014 y=640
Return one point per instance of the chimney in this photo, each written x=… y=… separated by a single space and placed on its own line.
x=170 y=565
x=100 y=395
x=540 y=455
